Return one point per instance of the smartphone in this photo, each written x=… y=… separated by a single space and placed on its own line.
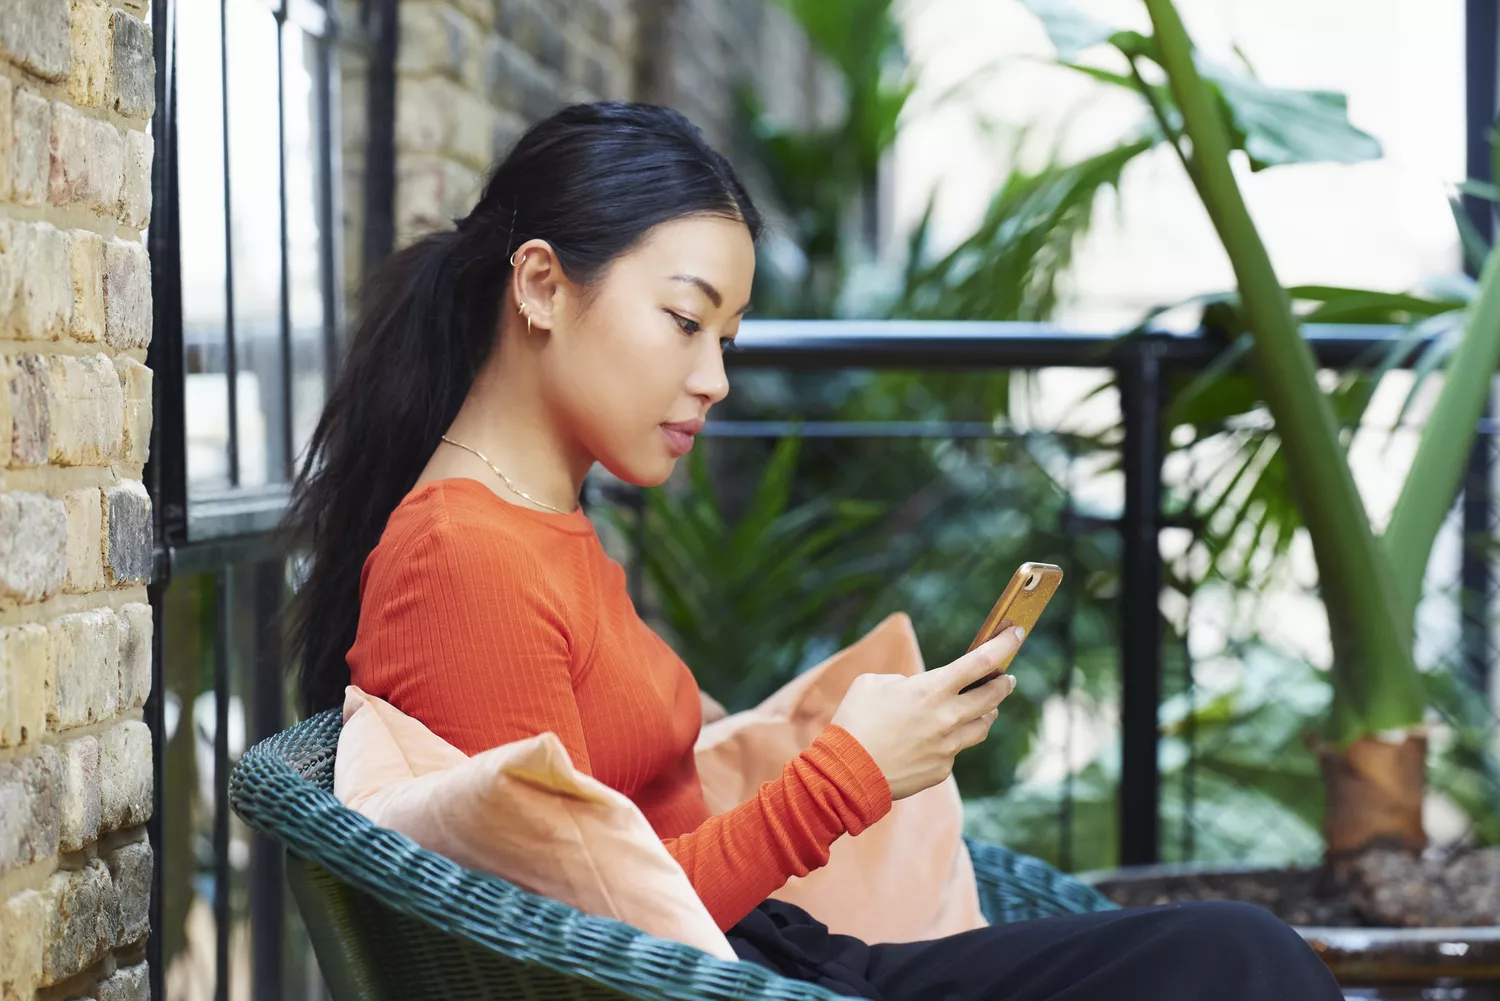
x=1020 y=604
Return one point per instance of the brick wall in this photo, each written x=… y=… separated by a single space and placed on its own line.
x=473 y=73
x=77 y=89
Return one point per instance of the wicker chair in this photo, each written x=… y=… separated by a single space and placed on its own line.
x=389 y=920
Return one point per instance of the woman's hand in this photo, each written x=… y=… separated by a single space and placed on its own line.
x=914 y=726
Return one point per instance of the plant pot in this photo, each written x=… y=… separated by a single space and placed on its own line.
x=1385 y=963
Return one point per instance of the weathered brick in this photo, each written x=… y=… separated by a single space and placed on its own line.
x=481 y=11
x=508 y=127
x=86 y=260
x=420 y=125
x=539 y=98
x=129 y=983
x=135 y=190
x=28 y=808
x=7 y=136
x=135 y=381
x=136 y=629
x=470 y=120
x=134 y=67
x=438 y=115
x=88 y=411
x=29 y=393
x=127 y=294
x=33 y=546
x=601 y=20
x=85 y=667
x=521 y=23
x=88 y=84
x=551 y=50
x=32 y=147
x=437 y=39
x=128 y=535
x=88 y=161
x=505 y=16
x=34 y=35
x=80 y=801
x=12 y=266
x=36 y=287
x=430 y=193
x=595 y=76
x=85 y=510
x=47 y=286
x=497 y=71
x=125 y=775
x=23 y=930
x=25 y=682
x=130 y=870
x=82 y=906
x=7 y=427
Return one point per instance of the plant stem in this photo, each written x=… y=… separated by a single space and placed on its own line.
x=1443 y=452
x=1160 y=114
x=1376 y=686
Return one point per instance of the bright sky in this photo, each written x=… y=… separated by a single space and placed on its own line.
x=1384 y=224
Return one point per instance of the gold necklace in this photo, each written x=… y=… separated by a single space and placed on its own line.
x=513 y=488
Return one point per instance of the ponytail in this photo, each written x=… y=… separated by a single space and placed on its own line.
x=592 y=180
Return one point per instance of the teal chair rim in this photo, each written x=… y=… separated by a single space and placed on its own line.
x=273 y=797
x=282 y=787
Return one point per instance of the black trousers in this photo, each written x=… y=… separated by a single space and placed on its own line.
x=1209 y=951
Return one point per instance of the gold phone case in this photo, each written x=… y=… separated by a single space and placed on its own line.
x=1020 y=604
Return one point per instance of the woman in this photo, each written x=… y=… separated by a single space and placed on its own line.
x=577 y=315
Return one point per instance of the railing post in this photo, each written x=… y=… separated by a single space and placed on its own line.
x=267 y=690
x=165 y=474
x=1481 y=41
x=1140 y=374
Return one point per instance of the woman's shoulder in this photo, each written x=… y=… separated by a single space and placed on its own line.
x=460 y=523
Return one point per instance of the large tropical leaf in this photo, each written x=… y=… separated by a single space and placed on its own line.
x=1272 y=125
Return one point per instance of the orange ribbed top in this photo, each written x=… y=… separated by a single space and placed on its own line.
x=490 y=622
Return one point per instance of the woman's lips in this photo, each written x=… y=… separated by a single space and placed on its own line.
x=680 y=436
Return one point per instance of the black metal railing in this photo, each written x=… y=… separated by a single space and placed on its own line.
x=219 y=909
x=1142 y=363
x=243 y=579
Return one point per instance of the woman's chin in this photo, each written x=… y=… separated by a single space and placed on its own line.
x=644 y=474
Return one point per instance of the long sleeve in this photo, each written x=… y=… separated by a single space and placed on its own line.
x=491 y=623
x=739 y=858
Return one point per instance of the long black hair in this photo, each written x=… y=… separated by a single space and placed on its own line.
x=591 y=180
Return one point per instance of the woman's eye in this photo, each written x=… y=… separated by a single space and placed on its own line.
x=688 y=326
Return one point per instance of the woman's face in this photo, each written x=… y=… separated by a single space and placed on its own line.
x=632 y=372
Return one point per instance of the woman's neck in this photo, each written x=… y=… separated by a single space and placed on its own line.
x=501 y=420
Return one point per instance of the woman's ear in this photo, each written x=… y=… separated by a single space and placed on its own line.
x=537 y=283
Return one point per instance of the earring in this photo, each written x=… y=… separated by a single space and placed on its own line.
x=513 y=257
x=524 y=312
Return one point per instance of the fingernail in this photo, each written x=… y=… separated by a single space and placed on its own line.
x=1012 y=678
x=1020 y=633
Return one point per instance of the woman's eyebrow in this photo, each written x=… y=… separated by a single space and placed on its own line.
x=707 y=289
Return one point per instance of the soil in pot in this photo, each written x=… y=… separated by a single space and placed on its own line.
x=1391 y=925
x=1379 y=888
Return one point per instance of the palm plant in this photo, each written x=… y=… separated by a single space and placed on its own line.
x=749 y=603
x=819 y=175
x=1373 y=757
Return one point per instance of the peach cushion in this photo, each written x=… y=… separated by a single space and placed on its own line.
x=522 y=812
x=909 y=877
